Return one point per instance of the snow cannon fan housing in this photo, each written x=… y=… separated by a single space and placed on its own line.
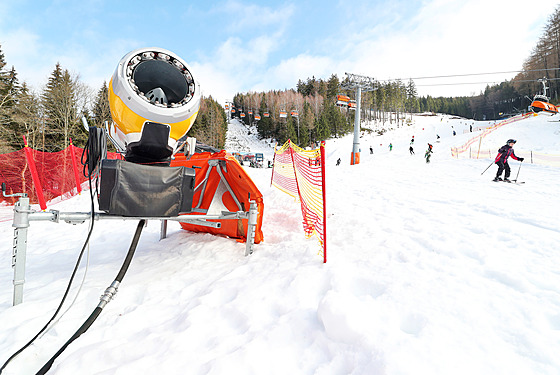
x=154 y=101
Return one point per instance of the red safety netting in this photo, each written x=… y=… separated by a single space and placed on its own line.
x=301 y=174
x=58 y=175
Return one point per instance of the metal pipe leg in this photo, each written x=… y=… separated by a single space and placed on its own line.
x=251 y=226
x=21 y=223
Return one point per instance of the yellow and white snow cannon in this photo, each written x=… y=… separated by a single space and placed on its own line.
x=154 y=100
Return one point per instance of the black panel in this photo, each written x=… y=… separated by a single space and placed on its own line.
x=129 y=189
x=152 y=147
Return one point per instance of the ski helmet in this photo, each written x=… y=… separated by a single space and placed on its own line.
x=511 y=141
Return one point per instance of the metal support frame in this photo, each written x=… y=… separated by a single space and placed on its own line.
x=23 y=215
x=218 y=164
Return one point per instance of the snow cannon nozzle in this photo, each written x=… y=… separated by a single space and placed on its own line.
x=152 y=91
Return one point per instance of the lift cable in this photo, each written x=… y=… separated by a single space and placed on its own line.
x=479 y=83
x=471 y=74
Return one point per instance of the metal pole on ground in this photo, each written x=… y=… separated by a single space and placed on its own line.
x=356 y=144
x=359 y=83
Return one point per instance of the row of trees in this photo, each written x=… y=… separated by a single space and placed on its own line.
x=53 y=116
x=318 y=116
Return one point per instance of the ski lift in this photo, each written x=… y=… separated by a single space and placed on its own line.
x=541 y=102
x=342 y=100
x=257 y=117
x=250 y=112
x=233 y=110
x=283 y=114
x=266 y=114
x=294 y=113
x=242 y=114
x=352 y=104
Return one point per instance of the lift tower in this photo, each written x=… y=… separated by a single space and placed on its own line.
x=359 y=83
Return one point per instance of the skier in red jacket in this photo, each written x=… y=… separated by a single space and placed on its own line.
x=501 y=159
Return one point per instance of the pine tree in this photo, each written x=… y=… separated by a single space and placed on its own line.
x=27 y=118
x=333 y=87
x=290 y=130
x=63 y=117
x=412 y=97
x=307 y=123
x=210 y=126
x=101 y=110
x=9 y=90
x=322 y=127
x=264 y=126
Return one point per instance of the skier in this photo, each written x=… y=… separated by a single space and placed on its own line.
x=412 y=140
x=501 y=159
x=338 y=162
x=428 y=153
x=370 y=150
x=411 y=150
x=390 y=147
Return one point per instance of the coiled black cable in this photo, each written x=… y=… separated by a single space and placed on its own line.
x=95 y=150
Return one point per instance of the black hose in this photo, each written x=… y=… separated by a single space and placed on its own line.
x=67 y=288
x=99 y=308
x=78 y=333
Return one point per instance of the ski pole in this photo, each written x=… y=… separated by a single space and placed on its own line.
x=518 y=171
x=487 y=168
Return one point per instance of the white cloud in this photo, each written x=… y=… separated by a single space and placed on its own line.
x=445 y=37
x=453 y=37
x=245 y=16
x=22 y=49
x=286 y=74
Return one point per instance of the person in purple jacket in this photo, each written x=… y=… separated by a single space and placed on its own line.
x=501 y=159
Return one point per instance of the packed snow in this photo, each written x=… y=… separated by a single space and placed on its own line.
x=432 y=269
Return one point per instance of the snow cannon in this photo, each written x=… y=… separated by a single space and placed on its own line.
x=154 y=100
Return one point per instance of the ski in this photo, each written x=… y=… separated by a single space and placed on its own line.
x=510 y=181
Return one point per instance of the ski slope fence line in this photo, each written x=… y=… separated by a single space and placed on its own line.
x=530 y=156
x=472 y=148
x=301 y=174
x=43 y=176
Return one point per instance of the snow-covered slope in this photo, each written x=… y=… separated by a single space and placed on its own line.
x=244 y=139
x=432 y=269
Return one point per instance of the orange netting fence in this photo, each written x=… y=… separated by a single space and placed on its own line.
x=472 y=148
x=456 y=151
x=301 y=174
x=43 y=176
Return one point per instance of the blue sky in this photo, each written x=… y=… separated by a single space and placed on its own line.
x=240 y=46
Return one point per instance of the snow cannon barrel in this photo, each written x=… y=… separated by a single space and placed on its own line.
x=154 y=100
